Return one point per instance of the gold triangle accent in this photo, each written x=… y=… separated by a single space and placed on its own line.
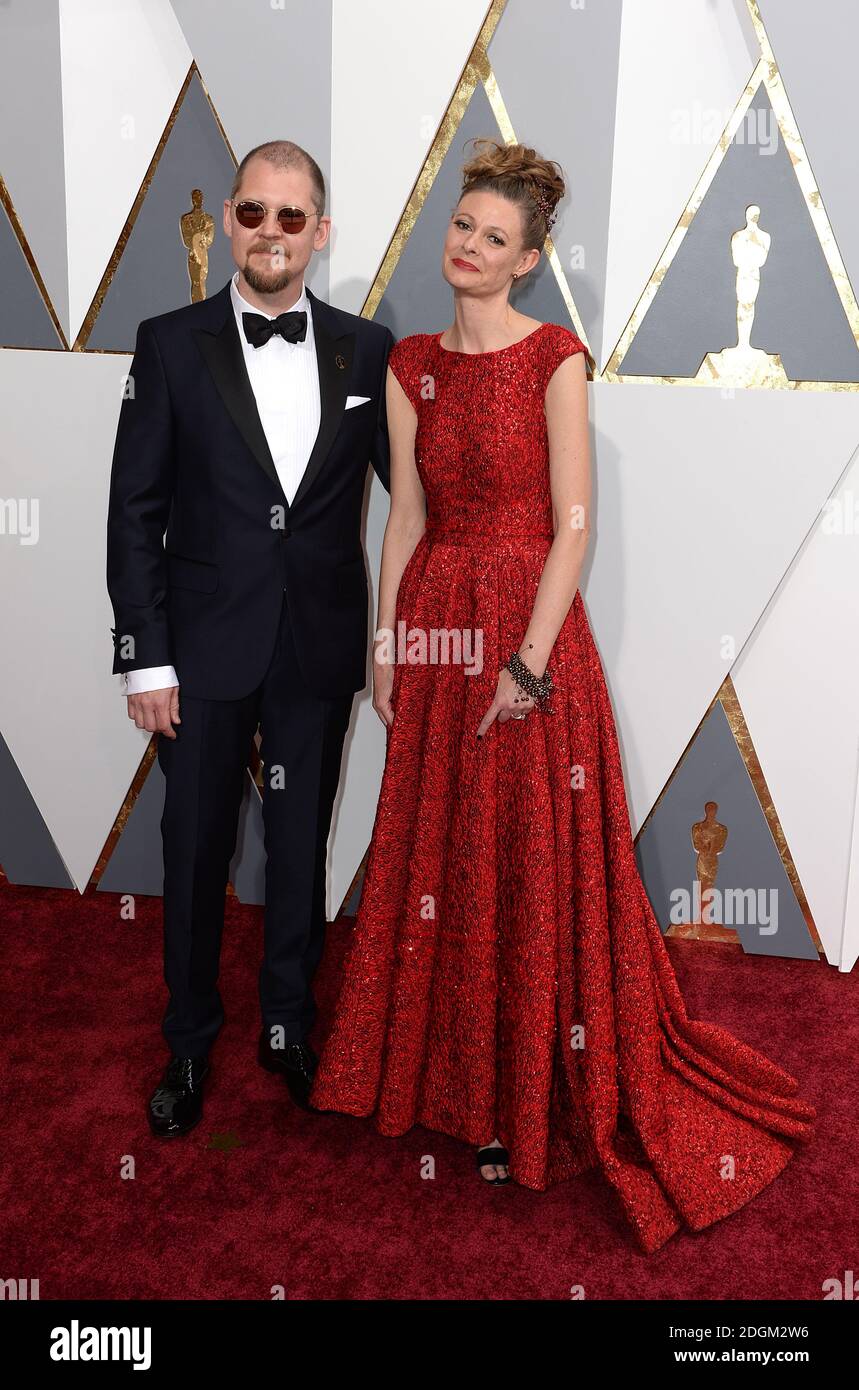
x=122 y=241
x=766 y=72
x=15 y=223
x=351 y=889
x=143 y=769
x=740 y=729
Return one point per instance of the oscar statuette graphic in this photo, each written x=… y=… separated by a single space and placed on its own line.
x=742 y=364
x=198 y=233
x=709 y=838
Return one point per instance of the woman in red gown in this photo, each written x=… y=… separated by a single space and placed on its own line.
x=507 y=982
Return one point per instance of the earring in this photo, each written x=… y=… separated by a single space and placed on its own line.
x=515 y=275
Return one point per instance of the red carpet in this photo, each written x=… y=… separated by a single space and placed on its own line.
x=325 y=1206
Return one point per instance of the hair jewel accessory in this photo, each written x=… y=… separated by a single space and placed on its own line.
x=545 y=207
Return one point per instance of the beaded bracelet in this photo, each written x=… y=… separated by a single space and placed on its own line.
x=538 y=687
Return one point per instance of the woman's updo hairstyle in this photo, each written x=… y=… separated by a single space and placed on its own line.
x=519 y=174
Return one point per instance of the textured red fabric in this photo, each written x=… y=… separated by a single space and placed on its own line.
x=507 y=976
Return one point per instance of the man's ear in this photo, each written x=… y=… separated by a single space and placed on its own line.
x=323 y=225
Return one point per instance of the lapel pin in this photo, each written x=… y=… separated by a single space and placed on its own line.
x=340 y=360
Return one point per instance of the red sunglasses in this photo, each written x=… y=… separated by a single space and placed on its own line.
x=250 y=213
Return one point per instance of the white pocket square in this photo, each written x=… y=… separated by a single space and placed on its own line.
x=355 y=400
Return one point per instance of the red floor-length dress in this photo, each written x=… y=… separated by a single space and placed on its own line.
x=506 y=975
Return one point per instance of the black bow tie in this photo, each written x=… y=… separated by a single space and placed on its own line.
x=292 y=326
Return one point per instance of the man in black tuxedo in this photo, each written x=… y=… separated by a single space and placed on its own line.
x=245 y=434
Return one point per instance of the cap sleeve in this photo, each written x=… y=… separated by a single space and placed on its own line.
x=562 y=343
x=404 y=361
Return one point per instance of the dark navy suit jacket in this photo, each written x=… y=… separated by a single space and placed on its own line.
x=191 y=459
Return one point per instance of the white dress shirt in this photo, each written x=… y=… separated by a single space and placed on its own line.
x=285 y=381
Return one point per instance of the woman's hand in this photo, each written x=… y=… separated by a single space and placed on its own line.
x=383 y=684
x=509 y=701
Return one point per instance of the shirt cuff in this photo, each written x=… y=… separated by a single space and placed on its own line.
x=148 y=678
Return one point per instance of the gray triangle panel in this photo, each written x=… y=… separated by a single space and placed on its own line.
x=28 y=853
x=350 y=908
x=418 y=299
x=815 y=48
x=24 y=318
x=32 y=157
x=713 y=770
x=136 y=865
x=556 y=66
x=797 y=312
x=152 y=275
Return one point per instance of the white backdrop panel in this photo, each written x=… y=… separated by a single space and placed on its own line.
x=123 y=65
x=62 y=715
x=364 y=752
x=797 y=681
x=700 y=504
x=395 y=65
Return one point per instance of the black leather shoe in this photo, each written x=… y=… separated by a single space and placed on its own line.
x=177 y=1105
x=295 y=1062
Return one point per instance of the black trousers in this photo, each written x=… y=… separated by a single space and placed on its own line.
x=204 y=767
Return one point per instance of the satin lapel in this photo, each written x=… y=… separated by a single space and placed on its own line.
x=224 y=357
x=334 y=359
x=222 y=352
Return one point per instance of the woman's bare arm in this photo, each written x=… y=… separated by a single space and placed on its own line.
x=407 y=517
x=405 y=526
x=570 y=478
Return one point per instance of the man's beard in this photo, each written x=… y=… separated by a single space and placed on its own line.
x=271 y=280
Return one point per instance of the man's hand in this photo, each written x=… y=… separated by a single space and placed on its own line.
x=156 y=710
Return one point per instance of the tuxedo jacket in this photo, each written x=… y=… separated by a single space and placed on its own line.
x=191 y=460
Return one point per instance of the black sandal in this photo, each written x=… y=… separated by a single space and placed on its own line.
x=498 y=1155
